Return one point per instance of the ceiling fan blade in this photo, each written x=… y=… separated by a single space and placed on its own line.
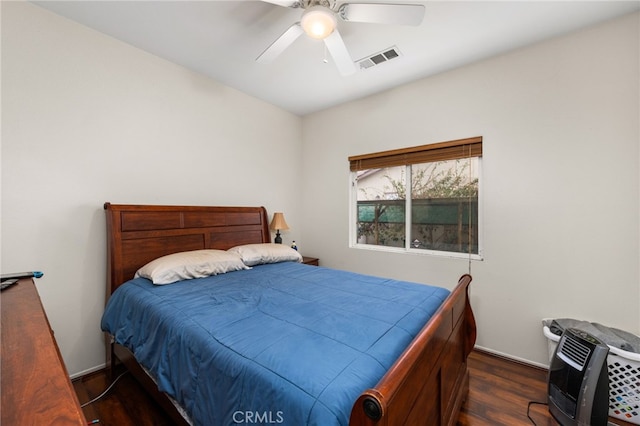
x=339 y=53
x=284 y=3
x=396 y=14
x=279 y=46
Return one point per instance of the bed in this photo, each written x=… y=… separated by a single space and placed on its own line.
x=421 y=378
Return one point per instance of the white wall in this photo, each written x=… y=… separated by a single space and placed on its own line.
x=87 y=119
x=560 y=122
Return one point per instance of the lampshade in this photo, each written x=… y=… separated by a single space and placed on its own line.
x=278 y=222
x=318 y=22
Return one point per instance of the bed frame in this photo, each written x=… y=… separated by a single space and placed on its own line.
x=427 y=384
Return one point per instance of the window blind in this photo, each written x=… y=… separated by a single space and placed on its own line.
x=442 y=151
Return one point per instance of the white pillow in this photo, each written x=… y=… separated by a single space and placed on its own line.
x=190 y=264
x=257 y=254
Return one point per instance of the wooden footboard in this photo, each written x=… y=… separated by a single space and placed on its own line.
x=429 y=382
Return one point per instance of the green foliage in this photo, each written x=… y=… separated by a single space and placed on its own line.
x=434 y=181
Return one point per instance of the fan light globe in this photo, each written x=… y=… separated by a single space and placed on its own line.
x=318 y=22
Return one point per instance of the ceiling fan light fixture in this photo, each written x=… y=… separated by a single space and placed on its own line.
x=318 y=22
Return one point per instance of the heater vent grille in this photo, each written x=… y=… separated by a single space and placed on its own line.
x=378 y=58
x=575 y=352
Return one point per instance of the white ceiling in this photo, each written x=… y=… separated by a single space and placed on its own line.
x=221 y=39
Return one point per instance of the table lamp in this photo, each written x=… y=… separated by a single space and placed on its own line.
x=278 y=223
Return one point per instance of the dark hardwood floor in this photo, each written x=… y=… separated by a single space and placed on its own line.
x=499 y=394
x=500 y=391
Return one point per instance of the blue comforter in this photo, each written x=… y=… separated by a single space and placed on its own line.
x=283 y=343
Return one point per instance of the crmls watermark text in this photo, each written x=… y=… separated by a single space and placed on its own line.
x=255 y=417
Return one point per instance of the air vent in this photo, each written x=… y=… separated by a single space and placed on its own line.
x=379 y=58
x=574 y=353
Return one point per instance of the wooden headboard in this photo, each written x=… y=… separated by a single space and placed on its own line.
x=137 y=234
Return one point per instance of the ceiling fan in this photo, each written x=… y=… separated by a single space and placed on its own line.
x=319 y=21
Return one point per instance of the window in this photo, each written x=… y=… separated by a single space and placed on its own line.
x=422 y=199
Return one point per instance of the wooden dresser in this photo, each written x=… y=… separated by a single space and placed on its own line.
x=34 y=383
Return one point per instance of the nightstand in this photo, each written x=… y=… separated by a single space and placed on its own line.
x=310 y=260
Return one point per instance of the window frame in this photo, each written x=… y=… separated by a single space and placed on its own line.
x=450 y=150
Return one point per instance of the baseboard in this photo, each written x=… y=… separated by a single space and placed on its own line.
x=87 y=371
x=511 y=358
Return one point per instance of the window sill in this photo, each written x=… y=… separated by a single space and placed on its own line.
x=419 y=252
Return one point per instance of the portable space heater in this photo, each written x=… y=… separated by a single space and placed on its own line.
x=578 y=382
